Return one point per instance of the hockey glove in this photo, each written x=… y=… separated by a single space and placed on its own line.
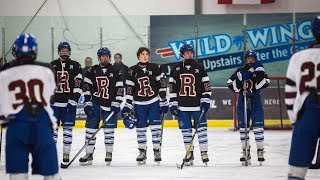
x=88 y=109
x=244 y=75
x=115 y=107
x=174 y=110
x=72 y=106
x=126 y=109
x=164 y=106
x=204 y=106
x=129 y=121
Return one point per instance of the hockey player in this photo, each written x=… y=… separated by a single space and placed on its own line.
x=25 y=102
x=67 y=94
x=303 y=105
x=147 y=88
x=190 y=93
x=103 y=92
x=254 y=76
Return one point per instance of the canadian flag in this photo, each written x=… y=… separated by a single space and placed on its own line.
x=245 y=1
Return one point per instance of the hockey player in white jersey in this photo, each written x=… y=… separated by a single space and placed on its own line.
x=26 y=88
x=303 y=104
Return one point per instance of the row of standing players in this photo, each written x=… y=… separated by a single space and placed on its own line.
x=190 y=93
x=146 y=87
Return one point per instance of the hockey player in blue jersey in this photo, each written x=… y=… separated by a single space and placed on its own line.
x=256 y=78
x=190 y=93
x=146 y=95
x=66 y=96
x=303 y=105
x=26 y=88
x=103 y=92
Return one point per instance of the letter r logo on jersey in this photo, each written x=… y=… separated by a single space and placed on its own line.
x=102 y=84
x=145 y=88
x=63 y=82
x=187 y=86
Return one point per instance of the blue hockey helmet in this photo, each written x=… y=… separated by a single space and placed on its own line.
x=250 y=53
x=315 y=26
x=64 y=44
x=184 y=48
x=26 y=47
x=13 y=50
x=103 y=51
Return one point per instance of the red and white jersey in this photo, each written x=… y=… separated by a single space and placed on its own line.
x=303 y=74
x=21 y=84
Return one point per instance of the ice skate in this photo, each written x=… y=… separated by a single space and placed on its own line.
x=142 y=157
x=189 y=159
x=108 y=158
x=157 y=155
x=86 y=160
x=243 y=158
x=260 y=156
x=65 y=159
x=204 y=157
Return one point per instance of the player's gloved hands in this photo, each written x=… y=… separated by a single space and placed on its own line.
x=174 y=110
x=72 y=106
x=126 y=109
x=244 y=75
x=129 y=120
x=88 y=109
x=164 y=106
x=115 y=107
x=204 y=106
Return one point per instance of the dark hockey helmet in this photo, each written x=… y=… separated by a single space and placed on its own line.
x=64 y=44
x=26 y=47
x=13 y=50
x=184 y=48
x=249 y=53
x=103 y=51
x=315 y=26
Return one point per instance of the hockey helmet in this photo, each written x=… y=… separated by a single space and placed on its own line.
x=315 y=26
x=103 y=51
x=26 y=47
x=64 y=44
x=184 y=48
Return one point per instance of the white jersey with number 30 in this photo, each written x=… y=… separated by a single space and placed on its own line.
x=303 y=73
x=25 y=83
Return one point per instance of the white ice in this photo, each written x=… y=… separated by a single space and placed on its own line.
x=224 y=153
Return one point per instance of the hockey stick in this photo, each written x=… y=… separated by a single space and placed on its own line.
x=0 y=141
x=316 y=165
x=64 y=166
x=161 y=135
x=180 y=166
x=245 y=123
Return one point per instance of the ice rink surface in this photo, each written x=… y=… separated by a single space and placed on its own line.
x=224 y=153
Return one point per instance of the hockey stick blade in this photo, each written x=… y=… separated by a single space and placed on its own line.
x=65 y=166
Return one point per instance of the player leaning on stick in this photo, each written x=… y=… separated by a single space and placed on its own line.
x=67 y=94
x=146 y=95
x=303 y=104
x=190 y=93
x=256 y=79
x=26 y=88
x=103 y=93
